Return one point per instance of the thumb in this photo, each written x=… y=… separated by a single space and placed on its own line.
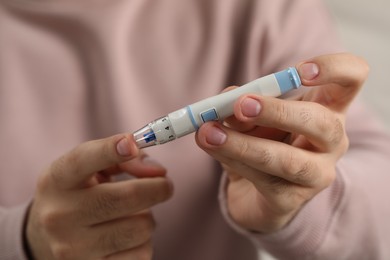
x=338 y=77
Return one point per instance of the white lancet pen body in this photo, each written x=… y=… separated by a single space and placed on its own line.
x=188 y=119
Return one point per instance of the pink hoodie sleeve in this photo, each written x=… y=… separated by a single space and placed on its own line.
x=11 y=232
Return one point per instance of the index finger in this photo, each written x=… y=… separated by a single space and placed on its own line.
x=73 y=169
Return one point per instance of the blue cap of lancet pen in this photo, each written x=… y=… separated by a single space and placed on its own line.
x=288 y=79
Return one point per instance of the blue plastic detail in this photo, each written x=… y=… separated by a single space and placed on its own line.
x=209 y=115
x=191 y=115
x=288 y=79
x=149 y=137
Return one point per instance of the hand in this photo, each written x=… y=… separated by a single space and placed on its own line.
x=279 y=154
x=79 y=213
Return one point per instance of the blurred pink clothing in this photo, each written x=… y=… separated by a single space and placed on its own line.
x=71 y=71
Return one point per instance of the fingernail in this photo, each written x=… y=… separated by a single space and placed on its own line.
x=215 y=136
x=309 y=71
x=123 y=147
x=250 y=107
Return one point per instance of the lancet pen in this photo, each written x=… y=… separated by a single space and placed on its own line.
x=188 y=119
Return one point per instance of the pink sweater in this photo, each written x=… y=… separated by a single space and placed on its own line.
x=72 y=71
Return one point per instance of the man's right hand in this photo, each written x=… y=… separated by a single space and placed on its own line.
x=79 y=213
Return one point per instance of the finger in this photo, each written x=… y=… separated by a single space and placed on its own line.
x=110 y=201
x=77 y=166
x=238 y=125
x=121 y=235
x=142 y=166
x=343 y=73
x=254 y=130
x=322 y=127
x=232 y=121
x=144 y=251
x=275 y=158
x=229 y=88
x=280 y=193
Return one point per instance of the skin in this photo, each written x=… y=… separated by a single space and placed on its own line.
x=79 y=213
x=278 y=154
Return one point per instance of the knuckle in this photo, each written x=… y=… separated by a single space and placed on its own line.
x=107 y=202
x=265 y=157
x=243 y=149
x=324 y=124
x=65 y=165
x=62 y=251
x=53 y=220
x=337 y=132
x=57 y=170
x=296 y=169
x=330 y=126
x=327 y=176
x=306 y=116
x=282 y=112
x=73 y=159
x=326 y=173
x=145 y=253
x=49 y=220
x=277 y=185
x=101 y=206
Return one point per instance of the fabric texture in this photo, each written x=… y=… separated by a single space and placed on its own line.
x=72 y=71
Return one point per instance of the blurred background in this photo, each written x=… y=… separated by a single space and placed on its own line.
x=364 y=28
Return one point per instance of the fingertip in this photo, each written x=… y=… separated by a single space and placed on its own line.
x=126 y=146
x=171 y=187
x=341 y=68
x=308 y=71
x=211 y=135
x=229 y=88
x=249 y=107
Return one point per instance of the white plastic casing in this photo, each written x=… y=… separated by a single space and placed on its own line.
x=189 y=119
x=181 y=122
